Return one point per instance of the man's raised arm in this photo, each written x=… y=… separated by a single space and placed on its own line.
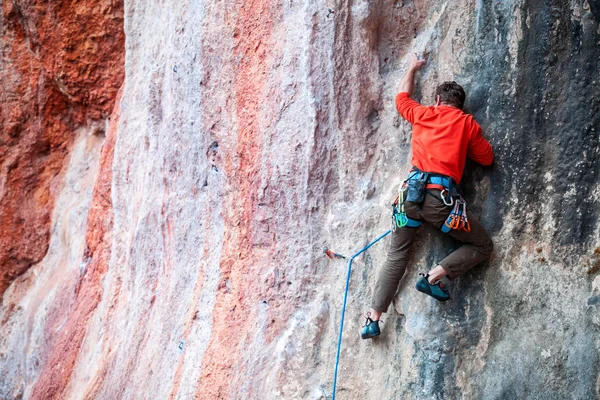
x=407 y=84
x=407 y=107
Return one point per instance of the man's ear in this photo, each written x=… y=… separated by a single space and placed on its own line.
x=438 y=100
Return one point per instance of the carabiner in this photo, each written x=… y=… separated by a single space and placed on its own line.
x=456 y=222
x=399 y=219
x=444 y=198
x=403 y=220
x=466 y=225
x=449 y=225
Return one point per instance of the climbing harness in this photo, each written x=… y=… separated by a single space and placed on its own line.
x=339 y=346
x=418 y=182
x=457 y=219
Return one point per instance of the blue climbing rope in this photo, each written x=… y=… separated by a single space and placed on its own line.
x=339 y=346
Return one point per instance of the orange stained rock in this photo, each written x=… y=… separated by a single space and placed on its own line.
x=232 y=315
x=61 y=361
x=62 y=65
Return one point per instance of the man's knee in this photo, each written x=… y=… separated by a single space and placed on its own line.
x=397 y=258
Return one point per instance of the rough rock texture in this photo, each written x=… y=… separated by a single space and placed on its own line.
x=248 y=136
x=60 y=68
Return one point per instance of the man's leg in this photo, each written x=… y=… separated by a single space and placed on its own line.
x=477 y=244
x=392 y=271
x=477 y=247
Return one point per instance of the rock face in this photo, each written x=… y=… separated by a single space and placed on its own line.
x=61 y=67
x=184 y=259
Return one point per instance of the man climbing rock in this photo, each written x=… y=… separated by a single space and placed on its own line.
x=442 y=137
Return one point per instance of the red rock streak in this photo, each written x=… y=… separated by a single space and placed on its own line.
x=55 y=375
x=61 y=66
x=232 y=315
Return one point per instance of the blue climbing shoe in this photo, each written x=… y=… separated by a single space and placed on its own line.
x=437 y=291
x=370 y=328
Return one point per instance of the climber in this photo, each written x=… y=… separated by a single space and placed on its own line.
x=442 y=137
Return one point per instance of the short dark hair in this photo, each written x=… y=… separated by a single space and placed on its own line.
x=451 y=93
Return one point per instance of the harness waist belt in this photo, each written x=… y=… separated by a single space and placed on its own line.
x=434 y=186
x=433 y=178
x=438 y=180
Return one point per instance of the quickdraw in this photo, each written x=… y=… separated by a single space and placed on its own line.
x=399 y=218
x=457 y=219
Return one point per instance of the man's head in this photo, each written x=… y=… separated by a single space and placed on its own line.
x=450 y=93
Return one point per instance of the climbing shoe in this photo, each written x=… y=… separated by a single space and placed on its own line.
x=370 y=328
x=436 y=291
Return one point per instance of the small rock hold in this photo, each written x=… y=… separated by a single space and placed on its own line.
x=370 y=192
x=546 y=353
x=593 y=301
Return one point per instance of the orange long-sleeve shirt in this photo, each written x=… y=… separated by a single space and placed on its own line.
x=443 y=137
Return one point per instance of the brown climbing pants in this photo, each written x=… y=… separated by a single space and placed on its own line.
x=477 y=247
